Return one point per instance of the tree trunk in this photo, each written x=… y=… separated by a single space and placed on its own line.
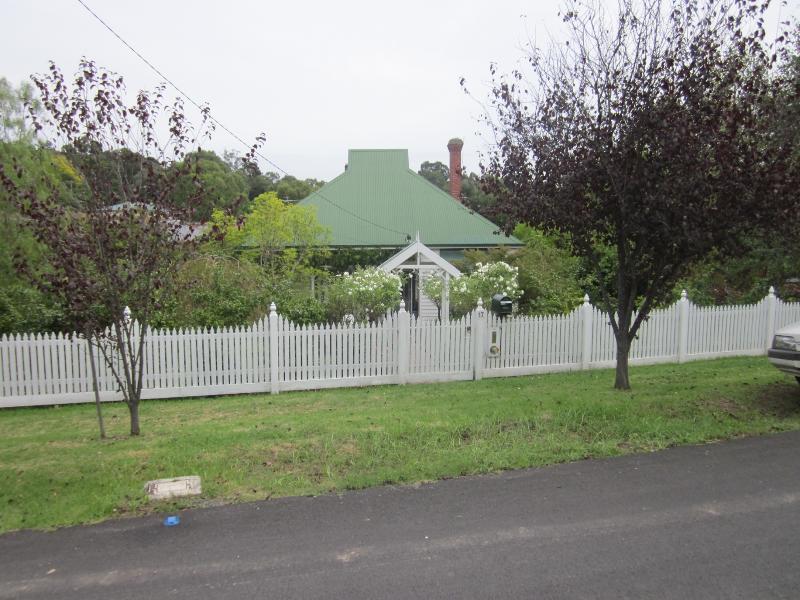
x=622 y=381
x=133 y=408
x=96 y=392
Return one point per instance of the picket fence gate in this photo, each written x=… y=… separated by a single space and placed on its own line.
x=274 y=354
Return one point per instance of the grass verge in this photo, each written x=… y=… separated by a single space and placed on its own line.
x=55 y=471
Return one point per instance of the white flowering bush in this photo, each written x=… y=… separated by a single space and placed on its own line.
x=487 y=280
x=364 y=295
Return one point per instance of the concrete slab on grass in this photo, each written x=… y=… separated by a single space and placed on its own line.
x=164 y=489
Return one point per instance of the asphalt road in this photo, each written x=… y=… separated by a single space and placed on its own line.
x=717 y=521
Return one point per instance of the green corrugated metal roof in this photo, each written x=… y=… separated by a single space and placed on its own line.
x=379 y=201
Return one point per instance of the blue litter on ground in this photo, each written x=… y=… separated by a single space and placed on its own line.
x=172 y=521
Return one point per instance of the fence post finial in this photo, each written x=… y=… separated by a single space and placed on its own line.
x=684 y=297
x=771 y=291
x=126 y=314
x=272 y=308
x=586 y=298
x=402 y=305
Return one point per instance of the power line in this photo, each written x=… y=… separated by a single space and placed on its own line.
x=222 y=126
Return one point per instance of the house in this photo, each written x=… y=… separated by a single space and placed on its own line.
x=379 y=202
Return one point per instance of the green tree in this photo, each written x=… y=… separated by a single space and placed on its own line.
x=437 y=173
x=284 y=239
x=287 y=244
x=13 y=102
x=222 y=187
x=23 y=306
x=257 y=182
x=118 y=171
x=472 y=194
x=744 y=279
x=289 y=188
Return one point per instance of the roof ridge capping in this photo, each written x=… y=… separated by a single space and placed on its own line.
x=370 y=158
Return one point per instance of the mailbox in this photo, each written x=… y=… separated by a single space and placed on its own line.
x=502 y=305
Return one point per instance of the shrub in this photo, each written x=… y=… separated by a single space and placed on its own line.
x=487 y=280
x=550 y=277
x=215 y=291
x=366 y=294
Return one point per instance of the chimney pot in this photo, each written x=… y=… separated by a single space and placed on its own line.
x=454 y=146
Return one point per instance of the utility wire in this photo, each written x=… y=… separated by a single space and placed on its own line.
x=231 y=133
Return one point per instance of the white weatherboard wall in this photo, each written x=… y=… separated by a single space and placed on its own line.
x=274 y=355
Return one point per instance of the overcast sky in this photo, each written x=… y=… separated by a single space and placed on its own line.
x=316 y=77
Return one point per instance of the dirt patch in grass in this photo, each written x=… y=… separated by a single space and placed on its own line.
x=723 y=405
x=282 y=448
x=779 y=400
x=62 y=444
x=348 y=448
x=280 y=454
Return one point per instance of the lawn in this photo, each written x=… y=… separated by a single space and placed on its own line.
x=55 y=471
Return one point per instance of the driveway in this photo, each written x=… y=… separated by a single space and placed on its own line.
x=716 y=521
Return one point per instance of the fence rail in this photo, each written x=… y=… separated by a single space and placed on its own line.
x=274 y=354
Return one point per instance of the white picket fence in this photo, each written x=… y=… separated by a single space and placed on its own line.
x=275 y=355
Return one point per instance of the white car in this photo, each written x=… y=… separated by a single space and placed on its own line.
x=785 y=351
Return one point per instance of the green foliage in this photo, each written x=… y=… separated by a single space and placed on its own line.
x=25 y=309
x=436 y=172
x=285 y=239
x=222 y=187
x=487 y=280
x=289 y=188
x=260 y=184
x=550 y=278
x=365 y=294
x=302 y=309
x=42 y=169
x=222 y=291
x=215 y=291
x=746 y=278
x=13 y=125
x=349 y=259
x=472 y=194
x=280 y=244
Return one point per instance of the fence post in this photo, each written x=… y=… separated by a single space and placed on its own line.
x=403 y=343
x=586 y=336
x=478 y=340
x=683 y=327
x=772 y=303
x=273 y=349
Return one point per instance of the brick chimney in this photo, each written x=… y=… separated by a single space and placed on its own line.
x=454 y=146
